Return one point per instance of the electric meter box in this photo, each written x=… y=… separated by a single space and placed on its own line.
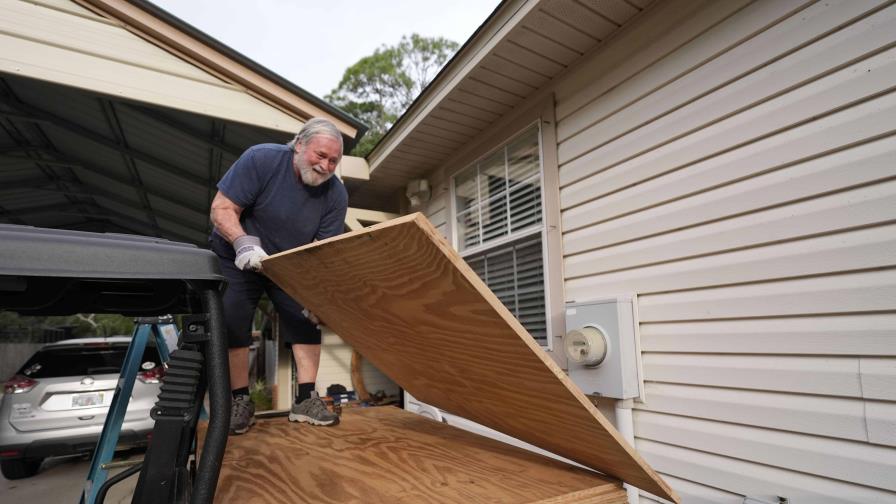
x=613 y=321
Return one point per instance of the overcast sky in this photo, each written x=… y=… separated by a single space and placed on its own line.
x=311 y=43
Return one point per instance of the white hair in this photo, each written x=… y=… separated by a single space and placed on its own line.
x=316 y=126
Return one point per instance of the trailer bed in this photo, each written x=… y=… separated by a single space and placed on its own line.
x=388 y=455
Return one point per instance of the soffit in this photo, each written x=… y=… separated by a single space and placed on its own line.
x=520 y=49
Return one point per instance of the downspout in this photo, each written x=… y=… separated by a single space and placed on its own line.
x=626 y=426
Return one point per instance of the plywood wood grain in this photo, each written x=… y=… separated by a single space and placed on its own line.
x=388 y=455
x=399 y=294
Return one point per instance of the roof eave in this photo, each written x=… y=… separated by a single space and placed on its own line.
x=172 y=33
x=490 y=32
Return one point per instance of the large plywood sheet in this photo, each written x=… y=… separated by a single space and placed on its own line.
x=399 y=294
x=387 y=455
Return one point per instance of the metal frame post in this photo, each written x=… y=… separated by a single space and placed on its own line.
x=105 y=446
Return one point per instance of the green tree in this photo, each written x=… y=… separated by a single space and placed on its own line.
x=380 y=87
x=15 y=326
x=95 y=324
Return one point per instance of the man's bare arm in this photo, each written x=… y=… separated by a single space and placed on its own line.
x=225 y=216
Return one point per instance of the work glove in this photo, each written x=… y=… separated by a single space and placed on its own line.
x=249 y=253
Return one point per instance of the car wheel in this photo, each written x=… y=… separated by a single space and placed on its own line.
x=19 y=468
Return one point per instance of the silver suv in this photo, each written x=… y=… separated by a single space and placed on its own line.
x=56 y=404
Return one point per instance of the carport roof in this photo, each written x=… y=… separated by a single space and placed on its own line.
x=117 y=116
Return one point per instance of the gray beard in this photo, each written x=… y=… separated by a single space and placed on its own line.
x=309 y=176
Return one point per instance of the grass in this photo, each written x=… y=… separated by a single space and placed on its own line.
x=260 y=394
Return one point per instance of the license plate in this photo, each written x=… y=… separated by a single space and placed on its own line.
x=87 y=400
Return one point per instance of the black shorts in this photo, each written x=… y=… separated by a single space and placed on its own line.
x=244 y=289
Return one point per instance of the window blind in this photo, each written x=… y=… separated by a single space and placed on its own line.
x=501 y=194
x=515 y=273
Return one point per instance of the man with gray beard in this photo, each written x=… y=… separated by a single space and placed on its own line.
x=276 y=197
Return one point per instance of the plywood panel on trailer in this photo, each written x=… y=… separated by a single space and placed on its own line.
x=388 y=455
x=399 y=294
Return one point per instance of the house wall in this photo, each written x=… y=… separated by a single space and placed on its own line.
x=734 y=165
x=336 y=367
x=437 y=210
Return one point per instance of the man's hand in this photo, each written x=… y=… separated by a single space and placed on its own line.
x=249 y=253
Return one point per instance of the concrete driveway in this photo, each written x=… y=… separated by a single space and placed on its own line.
x=61 y=479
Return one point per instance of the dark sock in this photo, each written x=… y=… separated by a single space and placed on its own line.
x=304 y=392
x=240 y=391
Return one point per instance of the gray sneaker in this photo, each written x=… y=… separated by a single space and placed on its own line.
x=242 y=414
x=313 y=411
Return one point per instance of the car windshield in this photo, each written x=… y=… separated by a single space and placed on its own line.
x=83 y=359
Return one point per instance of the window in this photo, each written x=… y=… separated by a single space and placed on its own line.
x=499 y=229
x=82 y=359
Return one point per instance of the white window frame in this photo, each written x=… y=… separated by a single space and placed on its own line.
x=541 y=229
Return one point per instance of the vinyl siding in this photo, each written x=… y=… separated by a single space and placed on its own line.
x=438 y=208
x=734 y=165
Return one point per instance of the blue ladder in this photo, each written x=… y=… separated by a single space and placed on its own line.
x=105 y=446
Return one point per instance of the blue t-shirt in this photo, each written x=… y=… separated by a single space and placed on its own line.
x=277 y=207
